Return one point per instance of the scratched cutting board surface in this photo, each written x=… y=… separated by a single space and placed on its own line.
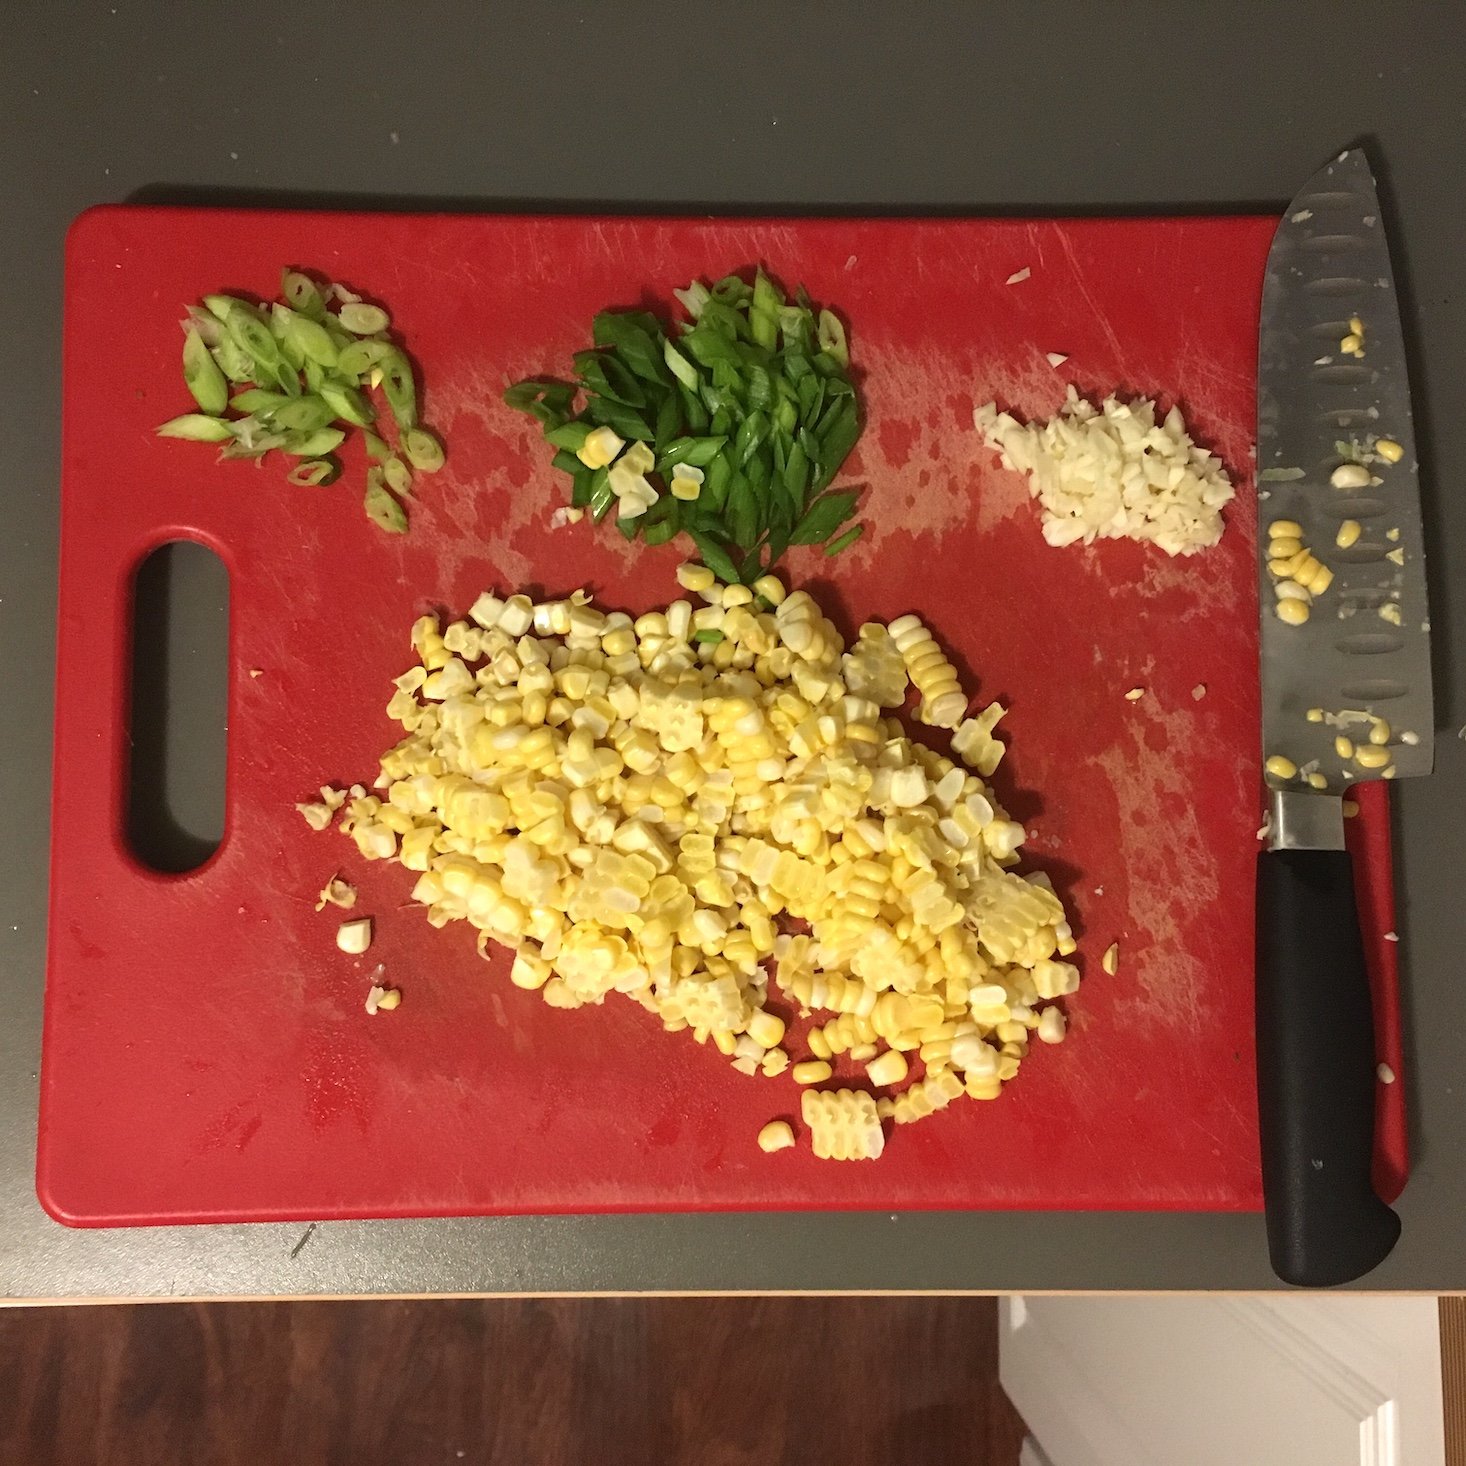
x=207 y=1056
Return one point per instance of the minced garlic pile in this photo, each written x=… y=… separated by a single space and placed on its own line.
x=1114 y=472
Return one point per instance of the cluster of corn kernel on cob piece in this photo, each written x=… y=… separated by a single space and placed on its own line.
x=687 y=807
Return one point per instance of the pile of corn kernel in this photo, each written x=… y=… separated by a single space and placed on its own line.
x=688 y=806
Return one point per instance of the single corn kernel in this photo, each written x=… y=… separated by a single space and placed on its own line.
x=686 y=483
x=1320 y=579
x=1379 y=734
x=771 y=589
x=1352 y=344
x=1370 y=757
x=766 y=1029
x=529 y=971
x=1315 y=715
x=1317 y=781
x=1052 y=1026
x=1351 y=808
x=1285 y=529
x=889 y=1068
x=694 y=577
x=354 y=937
x=1283 y=547
x=1295 y=613
x=600 y=447
x=1290 y=590
x=391 y=998
x=1281 y=767
x=776 y=1135
x=811 y=1071
x=1389 y=450
x=1343 y=746
x=1349 y=532
x=1111 y=960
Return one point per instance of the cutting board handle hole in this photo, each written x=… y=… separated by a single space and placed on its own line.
x=178 y=723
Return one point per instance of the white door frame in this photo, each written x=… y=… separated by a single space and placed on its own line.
x=1193 y=1380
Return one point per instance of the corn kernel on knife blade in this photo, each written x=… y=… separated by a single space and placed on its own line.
x=1329 y=262
x=1321 y=407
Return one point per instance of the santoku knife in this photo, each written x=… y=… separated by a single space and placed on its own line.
x=1346 y=696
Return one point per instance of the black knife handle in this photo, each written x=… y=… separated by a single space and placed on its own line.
x=1316 y=1072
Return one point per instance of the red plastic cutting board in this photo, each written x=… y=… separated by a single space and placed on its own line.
x=207 y=1056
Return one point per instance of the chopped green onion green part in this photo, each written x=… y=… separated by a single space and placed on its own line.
x=753 y=389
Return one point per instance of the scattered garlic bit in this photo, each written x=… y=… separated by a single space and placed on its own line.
x=1384 y=1074
x=1114 y=472
x=354 y=937
x=1392 y=535
x=1018 y=276
x=1350 y=476
x=1111 y=960
x=1392 y=936
x=631 y=810
x=1135 y=694
x=1301 y=216
x=337 y=892
x=1056 y=358
x=374 y=998
x=1390 y=611
x=1396 y=556
x=317 y=816
x=776 y=1135
x=256 y=671
x=1198 y=692
x=843 y=1124
x=565 y=515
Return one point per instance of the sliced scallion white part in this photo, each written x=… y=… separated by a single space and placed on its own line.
x=363 y=320
x=314 y=471
x=398 y=475
x=422 y=450
x=202 y=377
x=195 y=427
x=381 y=508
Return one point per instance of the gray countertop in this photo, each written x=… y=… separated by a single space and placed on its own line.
x=1037 y=108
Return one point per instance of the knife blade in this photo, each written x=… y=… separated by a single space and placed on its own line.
x=1346 y=696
